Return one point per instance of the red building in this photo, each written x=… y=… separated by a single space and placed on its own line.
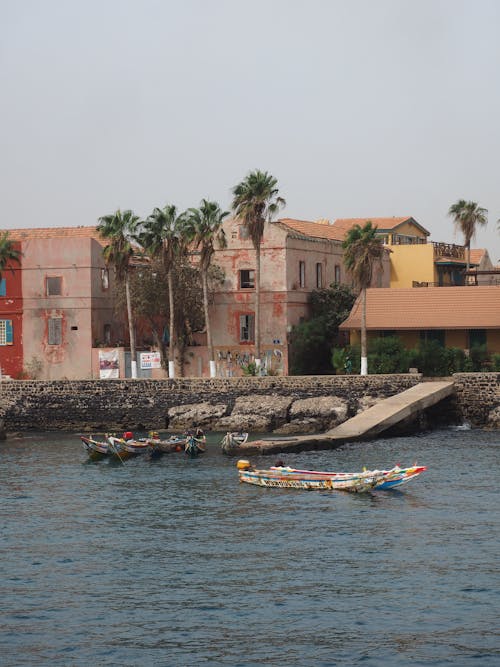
x=11 y=319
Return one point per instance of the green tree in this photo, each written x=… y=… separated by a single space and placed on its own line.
x=362 y=250
x=467 y=216
x=149 y=292
x=8 y=254
x=164 y=236
x=311 y=341
x=255 y=202
x=205 y=229
x=119 y=229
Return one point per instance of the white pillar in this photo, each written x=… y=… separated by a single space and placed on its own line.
x=364 y=366
x=133 y=366
x=213 y=368
x=171 y=369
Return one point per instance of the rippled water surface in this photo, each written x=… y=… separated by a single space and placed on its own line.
x=173 y=562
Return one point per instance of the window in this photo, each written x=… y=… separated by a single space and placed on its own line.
x=104 y=279
x=477 y=337
x=244 y=234
x=107 y=334
x=247 y=279
x=319 y=275
x=6 y=337
x=302 y=274
x=54 y=284
x=436 y=335
x=247 y=328
x=3 y=290
x=55 y=331
x=337 y=273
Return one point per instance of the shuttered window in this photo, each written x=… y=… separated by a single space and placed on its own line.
x=6 y=334
x=3 y=290
x=247 y=328
x=55 y=331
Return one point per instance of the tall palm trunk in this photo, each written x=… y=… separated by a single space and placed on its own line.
x=364 y=357
x=131 y=330
x=467 y=259
x=257 y=308
x=210 y=345
x=171 y=349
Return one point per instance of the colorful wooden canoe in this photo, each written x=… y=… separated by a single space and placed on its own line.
x=194 y=445
x=231 y=441
x=96 y=449
x=124 y=449
x=357 y=482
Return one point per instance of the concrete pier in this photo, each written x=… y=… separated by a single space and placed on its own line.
x=362 y=426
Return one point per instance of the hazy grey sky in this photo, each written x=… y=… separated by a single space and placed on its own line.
x=358 y=107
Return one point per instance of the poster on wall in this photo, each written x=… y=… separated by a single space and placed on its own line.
x=150 y=360
x=109 y=366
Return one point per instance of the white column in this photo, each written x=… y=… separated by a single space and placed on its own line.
x=364 y=365
x=133 y=368
x=171 y=369
x=213 y=368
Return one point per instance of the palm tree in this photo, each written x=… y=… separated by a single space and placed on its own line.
x=164 y=236
x=467 y=215
x=205 y=228
x=255 y=201
x=119 y=229
x=8 y=254
x=362 y=250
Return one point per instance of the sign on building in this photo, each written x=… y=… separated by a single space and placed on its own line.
x=109 y=366
x=150 y=360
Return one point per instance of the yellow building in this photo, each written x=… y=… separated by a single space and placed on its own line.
x=415 y=261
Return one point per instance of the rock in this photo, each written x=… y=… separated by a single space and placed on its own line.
x=494 y=418
x=250 y=423
x=260 y=413
x=324 y=411
x=181 y=417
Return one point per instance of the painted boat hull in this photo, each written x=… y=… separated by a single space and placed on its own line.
x=231 y=442
x=195 y=446
x=358 y=482
x=126 y=449
x=95 y=449
x=355 y=484
x=390 y=478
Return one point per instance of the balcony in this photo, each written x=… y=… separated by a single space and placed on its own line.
x=448 y=251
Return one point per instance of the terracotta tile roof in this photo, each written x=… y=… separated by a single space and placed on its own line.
x=472 y=307
x=383 y=224
x=476 y=255
x=318 y=230
x=54 y=232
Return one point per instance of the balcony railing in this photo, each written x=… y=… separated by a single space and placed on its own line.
x=449 y=250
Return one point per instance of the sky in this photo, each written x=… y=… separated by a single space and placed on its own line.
x=360 y=108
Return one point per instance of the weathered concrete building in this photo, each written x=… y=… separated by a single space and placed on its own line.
x=64 y=304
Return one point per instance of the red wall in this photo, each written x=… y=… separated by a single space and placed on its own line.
x=11 y=308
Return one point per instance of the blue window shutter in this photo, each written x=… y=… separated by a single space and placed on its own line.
x=3 y=290
x=9 y=337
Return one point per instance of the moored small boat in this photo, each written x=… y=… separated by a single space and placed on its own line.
x=232 y=440
x=96 y=449
x=195 y=445
x=122 y=448
x=366 y=480
x=175 y=443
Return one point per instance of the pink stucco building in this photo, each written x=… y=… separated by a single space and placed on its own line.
x=297 y=257
x=67 y=305
x=66 y=312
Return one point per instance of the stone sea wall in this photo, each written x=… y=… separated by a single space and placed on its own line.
x=280 y=404
x=478 y=398
x=283 y=405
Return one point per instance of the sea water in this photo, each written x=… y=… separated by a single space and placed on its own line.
x=174 y=562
